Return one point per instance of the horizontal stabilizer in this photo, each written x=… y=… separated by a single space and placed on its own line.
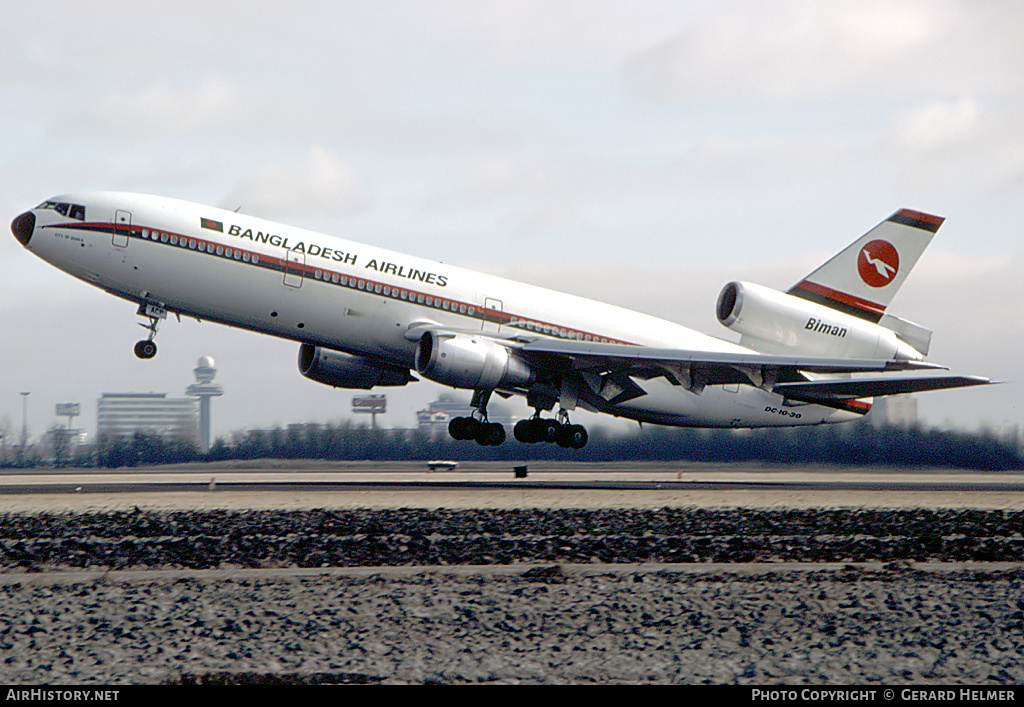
x=827 y=391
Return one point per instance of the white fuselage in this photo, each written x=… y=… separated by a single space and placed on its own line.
x=296 y=284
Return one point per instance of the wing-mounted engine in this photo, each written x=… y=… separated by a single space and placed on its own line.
x=775 y=322
x=468 y=361
x=342 y=370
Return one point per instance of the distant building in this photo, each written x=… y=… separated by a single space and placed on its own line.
x=895 y=411
x=297 y=429
x=124 y=414
x=434 y=420
x=60 y=444
x=73 y=437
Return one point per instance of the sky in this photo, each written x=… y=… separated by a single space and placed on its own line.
x=643 y=154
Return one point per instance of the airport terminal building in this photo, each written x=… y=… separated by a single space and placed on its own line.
x=124 y=414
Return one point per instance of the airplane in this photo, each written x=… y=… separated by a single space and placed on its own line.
x=366 y=317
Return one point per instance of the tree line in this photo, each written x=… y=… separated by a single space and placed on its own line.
x=842 y=445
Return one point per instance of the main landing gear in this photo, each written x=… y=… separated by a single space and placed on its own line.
x=147 y=347
x=486 y=434
x=536 y=429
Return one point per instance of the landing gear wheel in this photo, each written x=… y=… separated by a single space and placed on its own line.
x=490 y=434
x=455 y=427
x=471 y=428
x=145 y=348
x=463 y=428
x=525 y=431
x=548 y=430
x=575 y=436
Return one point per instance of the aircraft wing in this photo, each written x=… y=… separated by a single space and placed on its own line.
x=697 y=369
x=595 y=357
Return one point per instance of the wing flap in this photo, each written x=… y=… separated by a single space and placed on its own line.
x=837 y=390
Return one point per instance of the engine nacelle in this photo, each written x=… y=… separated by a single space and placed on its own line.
x=775 y=322
x=466 y=361
x=342 y=370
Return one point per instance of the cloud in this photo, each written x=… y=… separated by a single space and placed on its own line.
x=319 y=182
x=962 y=145
x=802 y=51
x=162 y=110
x=937 y=124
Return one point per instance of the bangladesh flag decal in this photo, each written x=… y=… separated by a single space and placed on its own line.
x=211 y=225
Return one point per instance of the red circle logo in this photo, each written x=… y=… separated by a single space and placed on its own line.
x=878 y=263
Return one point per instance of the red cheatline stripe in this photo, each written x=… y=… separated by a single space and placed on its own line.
x=917 y=219
x=308 y=271
x=829 y=293
x=858 y=404
x=922 y=216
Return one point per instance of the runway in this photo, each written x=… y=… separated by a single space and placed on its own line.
x=289 y=484
x=501 y=476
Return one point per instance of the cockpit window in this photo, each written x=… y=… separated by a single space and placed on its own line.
x=75 y=211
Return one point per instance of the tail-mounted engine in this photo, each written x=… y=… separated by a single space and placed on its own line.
x=342 y=370
x=774 y=322
x=465 y=361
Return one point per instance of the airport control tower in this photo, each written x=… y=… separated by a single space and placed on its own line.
x=204 y=388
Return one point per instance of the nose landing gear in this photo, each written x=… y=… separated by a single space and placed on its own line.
x=146 y=348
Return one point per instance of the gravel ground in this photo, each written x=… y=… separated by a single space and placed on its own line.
x=352 y=538
x=527 y=603
x=542 y=625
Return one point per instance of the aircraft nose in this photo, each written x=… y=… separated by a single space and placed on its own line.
x=23 y=226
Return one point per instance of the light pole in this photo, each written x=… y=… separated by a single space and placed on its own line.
x=24 y=421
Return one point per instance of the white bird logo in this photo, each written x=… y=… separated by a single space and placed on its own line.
x=884 y=269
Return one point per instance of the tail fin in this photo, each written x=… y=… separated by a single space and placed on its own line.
x=862 y=279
